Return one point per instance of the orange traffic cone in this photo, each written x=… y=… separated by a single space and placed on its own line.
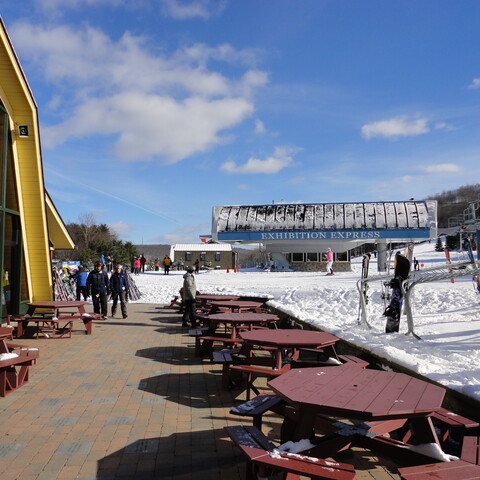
x=235 y=269
x=228 y=271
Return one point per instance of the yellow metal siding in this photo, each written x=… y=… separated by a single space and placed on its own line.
x=22 y=111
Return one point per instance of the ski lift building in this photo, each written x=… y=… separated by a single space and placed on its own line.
x=303 y=232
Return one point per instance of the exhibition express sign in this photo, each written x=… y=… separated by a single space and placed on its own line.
x=266 y=236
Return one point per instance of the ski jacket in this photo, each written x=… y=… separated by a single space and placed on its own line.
x=97 y=282
x=119 y=283
x=329 y=256
x=81 y=278
x=189 y=287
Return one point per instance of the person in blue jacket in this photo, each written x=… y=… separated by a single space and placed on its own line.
x=119 y=289
x=99 y=287
x=80 y=278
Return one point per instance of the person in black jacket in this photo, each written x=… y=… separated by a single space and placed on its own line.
x=119 y=288
x=99 y=287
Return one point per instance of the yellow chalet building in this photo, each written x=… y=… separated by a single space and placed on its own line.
x=30 y=226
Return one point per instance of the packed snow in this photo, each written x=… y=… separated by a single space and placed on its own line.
x=446 y=314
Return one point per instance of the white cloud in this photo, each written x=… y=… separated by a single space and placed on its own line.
x=156 y=106
x=243 y=186
x=475 y=83
x=57 y=6
x=259 y=127
x=282 y=158
x=442 y=168
x=296 y=180
x=183 y=10
x=396 y=127
x=445 y=126
x=122 y=227
x=187 y=234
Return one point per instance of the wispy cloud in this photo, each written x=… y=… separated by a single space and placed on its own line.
x=441 y=168
x=259 y=127
x=122 y=199
x=122 y=227
x=394 y=128
x=156 y=107
x=188 y=234
x=475 y=83
x=281 y=158
x=184 y=10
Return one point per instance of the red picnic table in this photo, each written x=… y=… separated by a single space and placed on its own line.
x=50 y=310
x=349 y=392
x=291 y=339
x=236 y=305
x=15 y=361
x=205 y=298
x=238 y=319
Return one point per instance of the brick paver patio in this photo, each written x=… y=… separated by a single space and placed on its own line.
x=130 y=402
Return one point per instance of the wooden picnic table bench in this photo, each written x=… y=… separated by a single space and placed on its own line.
x=258 y=406
x=15 y=361
x=456 y=470
x=261 y=459
x=52 y=327
x=471 y=450
x=452 y=424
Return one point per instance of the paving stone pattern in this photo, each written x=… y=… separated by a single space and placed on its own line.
x=129 y=402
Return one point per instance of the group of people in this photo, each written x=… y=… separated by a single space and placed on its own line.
x=100 y=286
x=138 y=264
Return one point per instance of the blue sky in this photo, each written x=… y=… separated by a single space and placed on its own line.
x=154 y=111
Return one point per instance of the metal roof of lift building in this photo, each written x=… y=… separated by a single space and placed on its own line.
x=325 y=221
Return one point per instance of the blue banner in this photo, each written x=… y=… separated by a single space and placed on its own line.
x=277 y=235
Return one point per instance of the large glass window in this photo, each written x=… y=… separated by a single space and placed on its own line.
x=11 y=198
x=297 y=257
x=312 y=257
x=14 y=279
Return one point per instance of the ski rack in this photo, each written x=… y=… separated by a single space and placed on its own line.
x=433 y=274
x=360 y=287
x=442 y=272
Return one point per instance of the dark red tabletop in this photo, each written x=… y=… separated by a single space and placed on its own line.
x=357 y=393
x=289 y=338
x=236 y=304
x=57 y=304
x=213 y=297
x=243 y=317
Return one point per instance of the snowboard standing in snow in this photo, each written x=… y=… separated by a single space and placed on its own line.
x=394 y=309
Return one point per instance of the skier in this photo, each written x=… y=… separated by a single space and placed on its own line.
x=329 y=262
x=394 y=309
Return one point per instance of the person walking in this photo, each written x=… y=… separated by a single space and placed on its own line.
x=189 y=296
x=119 y=289
x=143 y=261
x=136 y=265
x=99 y=287
x=81 y=281
x=167 y=261
x=329 y=262
x=197 y=265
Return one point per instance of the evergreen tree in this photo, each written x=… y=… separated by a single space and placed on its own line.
x=439 y=245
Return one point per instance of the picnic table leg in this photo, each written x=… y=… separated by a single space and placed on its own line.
x=88 y=325
x=424 y=431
